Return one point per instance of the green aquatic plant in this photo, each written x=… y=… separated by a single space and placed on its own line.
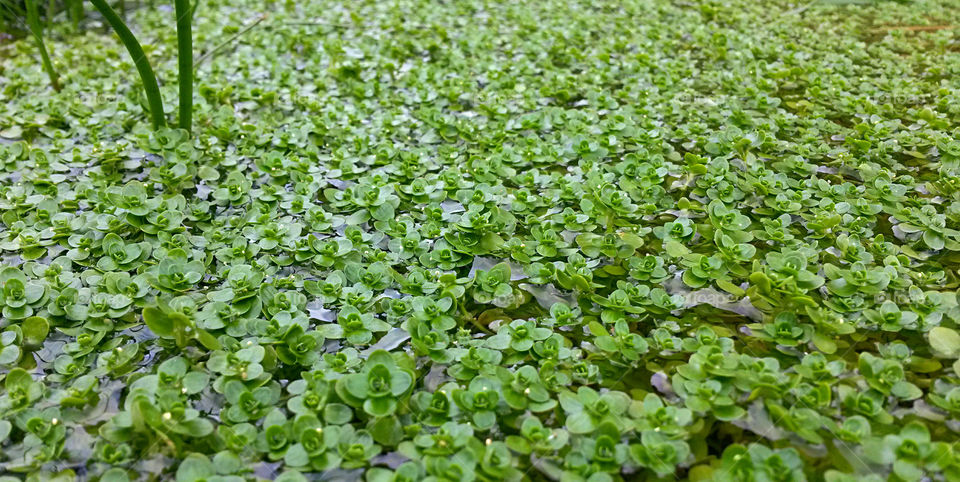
x=548 y=243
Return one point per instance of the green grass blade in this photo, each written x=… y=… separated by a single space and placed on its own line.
x=228 y=41
x=33 y=22
x=185 y=61
x=12 y=15
x=147 y=76
x=76 y=13
x=50 y=11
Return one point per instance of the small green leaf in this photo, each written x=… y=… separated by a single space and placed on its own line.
x=35 y=330
x=296 y=456
x=945 y=342
x=158 y=321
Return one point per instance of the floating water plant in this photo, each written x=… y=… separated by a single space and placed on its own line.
x=407 y=240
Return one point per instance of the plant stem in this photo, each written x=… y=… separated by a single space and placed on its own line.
x=33 y=22
x=228 y=41
x=150 y=86
x=76 y=13
x=50 y=7
x=185 y=61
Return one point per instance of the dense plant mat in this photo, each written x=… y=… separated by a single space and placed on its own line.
x=487 y=241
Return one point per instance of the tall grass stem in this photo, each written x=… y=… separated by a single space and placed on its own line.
x=222 y=45
x=150 y=86
x=33 y=23
x=185 y=61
